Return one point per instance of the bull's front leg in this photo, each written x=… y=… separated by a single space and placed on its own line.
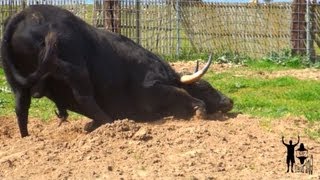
x=91 y=109
x=22 y=105
x=82 y=89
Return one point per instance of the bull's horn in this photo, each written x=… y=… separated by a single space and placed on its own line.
x=197 y=67
x=189 y=79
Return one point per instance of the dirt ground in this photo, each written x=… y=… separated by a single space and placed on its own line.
x=305 y=74
x=227 y=146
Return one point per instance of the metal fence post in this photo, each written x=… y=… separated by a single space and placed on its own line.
x=178 y=27
x=308 y=29
x=138 y=21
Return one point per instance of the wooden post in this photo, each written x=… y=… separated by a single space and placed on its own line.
x=24 y=4
x=313 y=30
x=298 y=31
x=112 y=15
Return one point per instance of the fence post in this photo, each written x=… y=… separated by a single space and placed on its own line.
x=138 y=21
x=107 y=11
x=10 y=8
x=308 y=30
x=111 y=13
x=298 y=31
x=178 y=27
x=309 y=43
x=24 y=4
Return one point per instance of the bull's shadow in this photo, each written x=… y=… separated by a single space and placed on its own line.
x=210 y=117
x=222 y=116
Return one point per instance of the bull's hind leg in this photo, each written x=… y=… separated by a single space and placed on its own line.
x=23 y=100
x=171 y=100
x=79 y=81
x=38 y=91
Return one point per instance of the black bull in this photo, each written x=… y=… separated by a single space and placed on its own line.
x=48 y=51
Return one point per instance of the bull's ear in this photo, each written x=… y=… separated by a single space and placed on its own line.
x=189 y=79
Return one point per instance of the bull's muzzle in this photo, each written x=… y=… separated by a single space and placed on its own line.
x=226 y=104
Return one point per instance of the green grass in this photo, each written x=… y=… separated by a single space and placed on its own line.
x=40 y=108
x=270 y=98
x=267 y=65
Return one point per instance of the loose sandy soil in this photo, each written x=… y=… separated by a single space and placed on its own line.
x=229 y=146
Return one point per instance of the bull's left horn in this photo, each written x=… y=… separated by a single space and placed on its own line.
x=197 y=67
x=189 y=79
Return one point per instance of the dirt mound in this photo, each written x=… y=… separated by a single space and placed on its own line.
x=238 y=148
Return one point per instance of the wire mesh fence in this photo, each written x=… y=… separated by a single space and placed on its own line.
x=184 y=28
x=253 y=30
x=189 y=28
x=10 y=7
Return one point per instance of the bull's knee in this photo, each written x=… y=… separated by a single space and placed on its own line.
x=93 y=125
x=82 y=99
x=38 y=91
x=92 y=110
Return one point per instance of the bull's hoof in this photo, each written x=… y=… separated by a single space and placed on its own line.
x=91 y=126
x=200 y=112
x=63 y=116
x=61 y=121
x=24 y=134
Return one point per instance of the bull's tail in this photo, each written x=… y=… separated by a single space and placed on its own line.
x=9 y=68
x=47 y=54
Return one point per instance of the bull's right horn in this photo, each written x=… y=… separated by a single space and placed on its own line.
x=189 y=79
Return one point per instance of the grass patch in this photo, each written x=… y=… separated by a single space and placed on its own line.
x=266 y=65
x=286 y=58
x=40 y=108
x=270 y=98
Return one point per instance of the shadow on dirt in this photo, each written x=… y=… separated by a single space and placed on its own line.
x=222 y=116
x=211 y=117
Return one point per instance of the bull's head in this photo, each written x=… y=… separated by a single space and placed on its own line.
x=214 y=100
